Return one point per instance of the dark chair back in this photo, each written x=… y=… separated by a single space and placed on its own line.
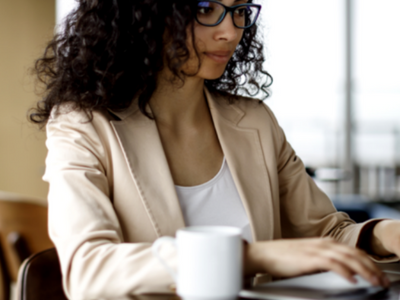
x=5 y=280
x=40 y=277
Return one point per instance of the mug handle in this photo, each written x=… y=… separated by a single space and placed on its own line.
x=157 y=244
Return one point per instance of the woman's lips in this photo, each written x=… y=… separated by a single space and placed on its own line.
x=219 y=57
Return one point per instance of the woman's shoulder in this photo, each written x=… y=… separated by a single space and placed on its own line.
x=69 y=113
x=72 y=132
x=68 y=122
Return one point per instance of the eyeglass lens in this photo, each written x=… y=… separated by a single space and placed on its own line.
x=210 y=13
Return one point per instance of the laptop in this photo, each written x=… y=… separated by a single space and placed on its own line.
x=327 y=285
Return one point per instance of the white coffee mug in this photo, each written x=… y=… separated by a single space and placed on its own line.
x=210 y=261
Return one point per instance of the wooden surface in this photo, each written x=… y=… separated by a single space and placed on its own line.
x=29 y=220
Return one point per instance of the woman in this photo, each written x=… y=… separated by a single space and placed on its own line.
x=143 y=116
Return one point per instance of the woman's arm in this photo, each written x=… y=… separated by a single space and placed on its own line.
x=294 y=257
x=306 y=211
x=382 y=239
x=83 y=225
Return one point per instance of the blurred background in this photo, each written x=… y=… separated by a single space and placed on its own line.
x=25 y=27
x=336 y=90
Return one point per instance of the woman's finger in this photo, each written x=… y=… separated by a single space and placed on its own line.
x=359 y=254
x=358 y=262
x=332 y=264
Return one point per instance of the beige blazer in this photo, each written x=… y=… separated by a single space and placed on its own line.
x=111 y=194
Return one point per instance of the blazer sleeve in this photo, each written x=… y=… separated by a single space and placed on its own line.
x=83 y=225
x=306 y=211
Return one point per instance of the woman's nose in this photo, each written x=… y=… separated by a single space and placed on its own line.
x=226 y=29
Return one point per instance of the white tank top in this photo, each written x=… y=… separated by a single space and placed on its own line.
x=215 y=202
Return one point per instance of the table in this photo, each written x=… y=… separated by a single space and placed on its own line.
x=393 y=293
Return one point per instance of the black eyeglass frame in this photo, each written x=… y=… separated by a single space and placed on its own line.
x=231 y=9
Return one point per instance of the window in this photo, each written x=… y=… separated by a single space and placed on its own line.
x=304 y=43
x=306 y=54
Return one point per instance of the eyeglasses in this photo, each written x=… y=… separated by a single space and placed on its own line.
x=211 y=13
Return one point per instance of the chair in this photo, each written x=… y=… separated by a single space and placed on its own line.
x=4 y=278
x=23 y=231
x=40 y=277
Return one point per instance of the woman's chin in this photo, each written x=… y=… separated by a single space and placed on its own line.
x=212 y=75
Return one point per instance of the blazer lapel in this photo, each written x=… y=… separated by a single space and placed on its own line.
x=144 y=154
x=243 y=152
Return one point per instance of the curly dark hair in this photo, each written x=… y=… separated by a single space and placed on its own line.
x=110 y=51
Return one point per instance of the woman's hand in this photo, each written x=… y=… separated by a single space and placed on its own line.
x=385 y=239
x=294 y=257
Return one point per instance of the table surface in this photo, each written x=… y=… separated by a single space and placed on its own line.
x=393 y=293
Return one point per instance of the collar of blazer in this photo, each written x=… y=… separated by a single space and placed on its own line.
x=141 y=144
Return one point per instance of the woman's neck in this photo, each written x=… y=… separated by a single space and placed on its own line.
x=174 y=106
